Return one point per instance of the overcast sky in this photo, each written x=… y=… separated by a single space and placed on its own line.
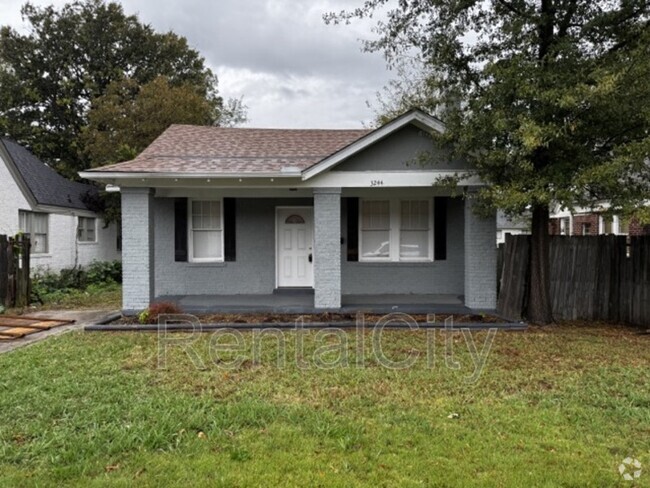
x=292 y=70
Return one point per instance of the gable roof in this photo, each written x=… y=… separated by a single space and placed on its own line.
x=228 y=151
x=416 y=117
x=46 y=186
x=200 y=151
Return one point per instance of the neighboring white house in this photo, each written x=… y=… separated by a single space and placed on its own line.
x=506 y=225
x=36 y=200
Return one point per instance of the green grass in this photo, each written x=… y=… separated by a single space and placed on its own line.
x=553 y=407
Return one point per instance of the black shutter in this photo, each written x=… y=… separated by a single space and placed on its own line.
x=180 y=229
x=229 y=228
x=353 y=229
x=440 y=228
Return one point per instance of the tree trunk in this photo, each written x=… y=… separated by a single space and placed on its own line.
x=539 y=310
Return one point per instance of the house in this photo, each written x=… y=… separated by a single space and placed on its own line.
x=36 y=200
x=511 y=225
x=348 y=215
x=593 y=222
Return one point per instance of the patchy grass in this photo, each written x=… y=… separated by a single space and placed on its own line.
x=104 y=295
x=552 y=406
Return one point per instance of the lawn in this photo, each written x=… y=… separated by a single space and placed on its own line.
x=558 y=406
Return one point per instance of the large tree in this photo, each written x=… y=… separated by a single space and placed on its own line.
x=549 y=99
x=50 y=76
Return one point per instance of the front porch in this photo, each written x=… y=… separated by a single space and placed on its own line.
x=303 y=303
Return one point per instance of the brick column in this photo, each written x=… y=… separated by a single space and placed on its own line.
x=480 y=259
x=137 y=249
x=327 y=248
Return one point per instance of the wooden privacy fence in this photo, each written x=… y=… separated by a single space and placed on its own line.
x=592 y=278
x=15 y=284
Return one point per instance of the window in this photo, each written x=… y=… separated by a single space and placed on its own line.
x=607 y=224
x=586 y=229
x=86 y=229
x=624 y=225
x=375 y=229
x=565 y=225
x=206 y=236
x=36 y=226
x=415 y=227
x=396 y=230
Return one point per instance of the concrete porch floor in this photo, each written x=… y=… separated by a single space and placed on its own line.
x=301 y=302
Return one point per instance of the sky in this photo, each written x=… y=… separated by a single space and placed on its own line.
x=292 y=69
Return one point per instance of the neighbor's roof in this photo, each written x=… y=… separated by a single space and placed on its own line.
x=505 y=222
x=46 y=185
x=199 y=149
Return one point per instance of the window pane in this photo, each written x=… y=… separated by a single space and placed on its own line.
x=39 y=224
x=375 y=243
x=207 y=244
x=39 y=243
x=375 y=215
x=206 y=215
x=414 y=244
x=90 y=235
x=415 y=215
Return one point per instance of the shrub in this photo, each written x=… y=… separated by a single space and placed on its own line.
x=104 y=272
x=151 y=314
x=48 y=286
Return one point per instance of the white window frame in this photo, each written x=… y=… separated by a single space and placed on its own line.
x=85 y=230
x=394 y=232
x=28 y=214
x=190 y=231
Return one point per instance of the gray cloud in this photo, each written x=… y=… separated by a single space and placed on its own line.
x=291 y=68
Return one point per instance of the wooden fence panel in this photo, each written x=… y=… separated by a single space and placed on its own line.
x=514 y=279
x=592 y=278
x=15 y=282
x=4 y=271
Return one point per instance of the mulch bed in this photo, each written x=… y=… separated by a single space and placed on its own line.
x=330 y=318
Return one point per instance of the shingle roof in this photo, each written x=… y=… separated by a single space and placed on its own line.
x=46 y=185
x=199 y=149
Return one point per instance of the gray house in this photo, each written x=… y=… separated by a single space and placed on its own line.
x=234 y=215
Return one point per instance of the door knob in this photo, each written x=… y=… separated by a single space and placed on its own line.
x=311 y=259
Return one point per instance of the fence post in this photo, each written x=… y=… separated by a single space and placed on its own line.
x=4 y=271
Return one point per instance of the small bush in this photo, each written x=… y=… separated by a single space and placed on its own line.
x=151 y=314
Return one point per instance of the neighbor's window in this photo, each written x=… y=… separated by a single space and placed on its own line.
x=35 y=224
x=586 y=229
x=565 y=225
x=206 y=236
x=624 y=225
x=607 y=224
x=396 y=230
x=86 y=229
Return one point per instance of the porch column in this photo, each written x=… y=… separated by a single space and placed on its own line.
x=137 y=249
x=480 y=259
x=327 y=248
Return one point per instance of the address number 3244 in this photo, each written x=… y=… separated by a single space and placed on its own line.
x=376 y=183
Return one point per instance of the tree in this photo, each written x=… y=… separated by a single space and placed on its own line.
x=549 y=99
x=50 y=77
x=125 y=120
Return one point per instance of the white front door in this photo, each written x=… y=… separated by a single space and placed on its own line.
x=295 y=240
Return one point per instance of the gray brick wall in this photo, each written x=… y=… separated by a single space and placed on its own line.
x=327 y=247
x=480 y=259
x=252 y=273
x=138 y=248
x=439 y=277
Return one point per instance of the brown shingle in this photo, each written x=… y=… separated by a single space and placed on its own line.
x=197 y=149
